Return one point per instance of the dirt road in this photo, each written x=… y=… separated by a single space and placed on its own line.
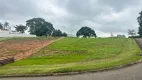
x=129 y=73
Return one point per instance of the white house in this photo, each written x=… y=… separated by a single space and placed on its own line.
x=13 y=33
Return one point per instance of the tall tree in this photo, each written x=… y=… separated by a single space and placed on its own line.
x=39 y=27
x=6 y=24
x=1 y=26
x=140 y=24
x=86 y=32
x=21 y=28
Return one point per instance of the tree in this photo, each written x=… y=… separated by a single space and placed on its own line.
x=44 y=30
x=58 y=33
x=140 y=24
x=86 y=32
x=39 y=27
x=64 y=34
x=21 y=28
x=132 y=33
x=1 y=26
x=6 y=24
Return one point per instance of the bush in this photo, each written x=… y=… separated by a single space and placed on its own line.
x=134 y=37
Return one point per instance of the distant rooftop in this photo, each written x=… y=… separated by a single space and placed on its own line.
x=4 y=29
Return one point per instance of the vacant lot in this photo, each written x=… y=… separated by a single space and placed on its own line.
x=76 y=54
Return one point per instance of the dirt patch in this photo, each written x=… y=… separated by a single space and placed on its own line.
x=32 y=48
x=21 y=49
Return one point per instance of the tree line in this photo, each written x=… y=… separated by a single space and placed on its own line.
x=40 y=27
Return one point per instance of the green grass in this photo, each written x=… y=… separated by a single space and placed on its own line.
x=3 y=39
x=32 y=38
x=77 y=54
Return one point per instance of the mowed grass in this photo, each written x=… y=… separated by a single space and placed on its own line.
x=76 y=54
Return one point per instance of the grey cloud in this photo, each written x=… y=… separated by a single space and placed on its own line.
x=88 y=10
x=84 y=7
x=119 y=5
x=114 y=27
x=16 y=9
x=77 y=13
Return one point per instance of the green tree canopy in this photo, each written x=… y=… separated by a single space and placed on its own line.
x=65 y=34
x=140 y=24
x=5 y=25
x=1 y=26
x=21 y=28
x=131 y=32
x=40 y=27
x=86 y=32
x=58 y=33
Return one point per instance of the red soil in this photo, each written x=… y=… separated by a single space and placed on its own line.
x=20 y=49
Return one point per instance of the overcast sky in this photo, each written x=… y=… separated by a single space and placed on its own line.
x=104 y=16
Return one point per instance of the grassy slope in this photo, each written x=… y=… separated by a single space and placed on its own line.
x=72 y=54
